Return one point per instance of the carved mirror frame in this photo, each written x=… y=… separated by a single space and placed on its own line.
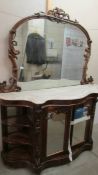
x=59 y=16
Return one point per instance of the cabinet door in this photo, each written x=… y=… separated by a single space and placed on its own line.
x=78 y=135
x=55 y=132
x=82 y=121
x=57 y=124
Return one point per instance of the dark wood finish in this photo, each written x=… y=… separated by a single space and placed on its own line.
x=55 y=15
x=27 y=145
x=24 y=134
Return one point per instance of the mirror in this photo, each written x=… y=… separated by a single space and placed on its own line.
x=78 y=133
x=51 y=51
x=55 y=132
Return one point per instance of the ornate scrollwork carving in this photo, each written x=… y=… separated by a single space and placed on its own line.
x=12 y=43
x=12 y=53
x=90 y=79
x=37 y=153
x=2 y=85
x=59 y=13
x=86 y=59
x=39 y=14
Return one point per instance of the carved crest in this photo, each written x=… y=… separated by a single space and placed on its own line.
x=59 y=13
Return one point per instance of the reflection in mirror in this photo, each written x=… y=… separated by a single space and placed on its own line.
x=55 y=133
x=50 y=50
x=74 y=46
x=78 y=133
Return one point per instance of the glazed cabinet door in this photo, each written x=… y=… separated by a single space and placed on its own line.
x=82 y=125
x=56 y=132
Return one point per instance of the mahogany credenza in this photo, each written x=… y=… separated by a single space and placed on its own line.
x=49 y=133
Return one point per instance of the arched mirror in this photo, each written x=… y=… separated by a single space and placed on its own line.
x=47 y=51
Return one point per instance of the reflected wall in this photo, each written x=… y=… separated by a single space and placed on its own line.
x=50 y=50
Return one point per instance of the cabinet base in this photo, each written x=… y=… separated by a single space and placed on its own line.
x=11 y=161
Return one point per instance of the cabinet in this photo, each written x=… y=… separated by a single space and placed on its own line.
x=48 y=120
x=38 y=136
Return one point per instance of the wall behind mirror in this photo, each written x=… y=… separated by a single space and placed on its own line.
x=50 y=51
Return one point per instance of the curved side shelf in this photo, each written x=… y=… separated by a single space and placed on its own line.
x=17 y=158
x=17 y=138
x=12 y=121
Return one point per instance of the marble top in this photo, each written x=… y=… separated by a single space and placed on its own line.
x=46 y=84
x=43 y=95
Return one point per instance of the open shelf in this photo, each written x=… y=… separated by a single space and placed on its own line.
x=80 y=120
x=12 y=121
x=17 y=138
x=18 y=154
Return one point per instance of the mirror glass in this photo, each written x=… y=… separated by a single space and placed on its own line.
x=51 y=53
x=78 y=133
x=55 y=133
